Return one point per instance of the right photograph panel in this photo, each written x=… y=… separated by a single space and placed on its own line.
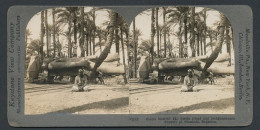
x=181 y=61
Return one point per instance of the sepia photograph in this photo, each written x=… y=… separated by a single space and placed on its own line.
x=169 y=60
x=182 y=62
x=75 y=62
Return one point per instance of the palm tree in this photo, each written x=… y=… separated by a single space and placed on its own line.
x=108 y=45
x=205 y=30
x=179 y=16
x=135 y=49
x=93 y=14
x=122 y=30
x=218 y=47
x=164 y=30
x=152 y=33
x=42 y=35
x=67 y=16
x=27 y=34
x=82 y=35
x=34 y=47
x=228 y=35
x=64 y=18
x=185 y=11
x=157 y=31
x=54 y=31
x=144 y=48
x=192 y=31
x=47 y=32
x=101 y=34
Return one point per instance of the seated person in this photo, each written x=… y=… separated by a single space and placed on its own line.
x=190 y=82
x=80 y=83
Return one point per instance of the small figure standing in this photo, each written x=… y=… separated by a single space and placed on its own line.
x=80 y=83
x=211 y=78
x=190 y=82
x=100 y=77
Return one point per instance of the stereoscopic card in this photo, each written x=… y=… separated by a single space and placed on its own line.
x=130 y=65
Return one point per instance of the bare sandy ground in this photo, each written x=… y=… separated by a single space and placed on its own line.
x=167 y=99
x=58 y=98
x=134 y=98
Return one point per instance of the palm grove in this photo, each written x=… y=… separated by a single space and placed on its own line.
x=78 y=26
x=193 y=37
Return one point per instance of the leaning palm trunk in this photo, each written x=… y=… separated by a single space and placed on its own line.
x=107 y=48
x=218 y=47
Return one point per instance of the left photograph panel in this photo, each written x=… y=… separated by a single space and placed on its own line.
x=75 y=62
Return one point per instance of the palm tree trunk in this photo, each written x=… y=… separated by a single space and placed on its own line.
x=198 y=44
x=82 y=31
x=42 y=35
x=87 y=40
x=164 y=30
x=117 y=36
x=160 y=37
x=201 y=47
x=100 y=40
x=135 y=50
x=192 y=32
x=128 y=54
x=205 y=32
x=94 y=32
x=54 y=32
x=75 y=27
x=185 y=29
x=157 y=32
x=69 y=40
x=169 y=42
x=90 y=45
x=211 y=46
x=180 y=40
x=47 y=33
x=228 y=44
x=152 y=34
x=123 y=51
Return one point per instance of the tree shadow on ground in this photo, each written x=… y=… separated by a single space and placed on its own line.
x=157 y=89
x=46 y=88
x=213 y=105
x=108 y=105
